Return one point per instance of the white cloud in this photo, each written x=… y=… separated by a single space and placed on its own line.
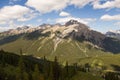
x=39 y=20
x=3 y=28
x=63 y=13
x=13 y=1
x=49 y=20
x=109 y=17
x=2 y=22
x=44 y=6
x=80 y=3
x=9 y=25
x=117 y=24
x=16 y=12
x=55 y=5
x=107 y=4
x=84 y=20
x=24 y=19
x=28 y=16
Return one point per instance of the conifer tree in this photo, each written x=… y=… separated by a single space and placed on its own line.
x=2 y=75
x=36 y=73
x=66 y=71
x=56 y=69
x=45 y=68
x=26 y=76
x=21 y=68
x=51 y=72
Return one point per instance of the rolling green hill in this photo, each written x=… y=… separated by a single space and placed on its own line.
x=65 y=50
x=11 y=66
x=73 y=42
x=112 y=62
x=86 y=76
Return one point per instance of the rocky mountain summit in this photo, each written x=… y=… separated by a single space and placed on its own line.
x=71 y=38
x=113 y=34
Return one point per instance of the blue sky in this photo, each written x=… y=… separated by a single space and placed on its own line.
x=100 y=15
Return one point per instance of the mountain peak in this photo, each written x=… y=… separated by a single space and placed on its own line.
x=113 y=34
x=71 y=22
x=23 y=28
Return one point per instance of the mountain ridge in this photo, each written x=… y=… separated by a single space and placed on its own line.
x=72 y=39
x=113 y=34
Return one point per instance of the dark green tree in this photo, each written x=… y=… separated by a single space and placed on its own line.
x=66 y=72
x=2 y=75
x=56 y=69
x=26 y=76
x=36 y=74
x=46 y=68
x=21 y=68
x=51 y=75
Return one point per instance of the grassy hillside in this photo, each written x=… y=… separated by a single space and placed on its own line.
x=86 y=76
x=64 y=49
x=12 y=65
x=112 y=62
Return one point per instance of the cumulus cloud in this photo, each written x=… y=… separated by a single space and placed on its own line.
x=117 y=24
x=2 y=22
x=55 y=5
x=80 y=3
x=13 y=1
x=39 y=20
x=63 y=13
x=109 y=17
x=107 y=4
x=3 y=28
x=16 y=12
x=84 y=20
x=28 y=16
x=44 y=6
x=12 y=25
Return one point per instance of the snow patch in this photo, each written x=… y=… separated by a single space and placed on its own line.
x=68 y=30
x=52 y=36
x=57 y=41
x=64 y=31
x=58 y=33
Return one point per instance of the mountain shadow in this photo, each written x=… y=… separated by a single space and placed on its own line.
x=35 y=35
x=111 y=45
x=10 y=39
x=116 y=67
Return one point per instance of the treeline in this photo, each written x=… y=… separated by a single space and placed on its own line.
x=19 y=67
x=112 y=76
x=14 y=67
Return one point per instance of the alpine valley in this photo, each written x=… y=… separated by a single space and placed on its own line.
x=71 y=51
x=69 y=42
x=59 y=39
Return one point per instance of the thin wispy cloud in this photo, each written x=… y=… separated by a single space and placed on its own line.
x=90 y=12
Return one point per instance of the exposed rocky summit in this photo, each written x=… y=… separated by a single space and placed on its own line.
x=72 y=30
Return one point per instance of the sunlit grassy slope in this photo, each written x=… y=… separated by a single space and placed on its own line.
x=66 y=50
x=86 y=76
x=110 y=61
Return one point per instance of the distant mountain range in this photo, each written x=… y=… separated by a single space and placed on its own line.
x=70 y=41
x=113 y=34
